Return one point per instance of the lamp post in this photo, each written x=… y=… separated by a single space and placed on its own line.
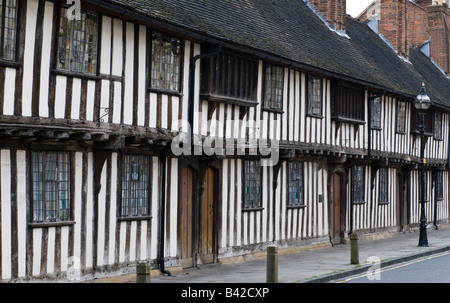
x=422 y=103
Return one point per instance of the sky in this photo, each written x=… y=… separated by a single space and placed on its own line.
x=354 y=7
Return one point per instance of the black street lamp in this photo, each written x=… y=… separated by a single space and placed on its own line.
x=422 y=103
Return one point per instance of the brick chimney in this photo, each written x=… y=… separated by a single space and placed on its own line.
x=438 y=29
x=406 y=23
x=334 y=12
x=392 y=24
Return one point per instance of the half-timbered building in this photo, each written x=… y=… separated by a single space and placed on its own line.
x=182 y=133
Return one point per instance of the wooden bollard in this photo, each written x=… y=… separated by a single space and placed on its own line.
x=272 y=264
x=143 y=273
x=354 y=249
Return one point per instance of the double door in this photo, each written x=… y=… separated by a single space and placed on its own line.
x=196 y=223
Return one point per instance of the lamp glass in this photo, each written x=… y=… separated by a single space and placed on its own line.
x=422 y=101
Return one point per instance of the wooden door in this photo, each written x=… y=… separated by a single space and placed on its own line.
x=402 y=203
x=336 y=196
x=207 y=218
x=185 y=215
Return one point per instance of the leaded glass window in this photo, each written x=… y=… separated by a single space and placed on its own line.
x=295 y=183
x=77 y=42
x=401 y=117
x=358 y=184
x=384 y=185
x=8 y=19
x=314 y=95
x=252 y=184
x=51 y=186
x=438 y=125
x=166 y=59
x=273 y=94
x=135 y=186
x=439 y=185
x=376 y=112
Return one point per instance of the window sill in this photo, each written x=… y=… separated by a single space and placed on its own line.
x=376 y=128
x=50 y=224
x=253 y=209
x=134 y=218
x=417 y=133
x=229 y=100
x=348 y=120
x=359 y=202
x=12 y=64
x=315 y=116
x=295 y=206
x=273 y=110
x=383 y=202
x=62 y=72
x=165 y=92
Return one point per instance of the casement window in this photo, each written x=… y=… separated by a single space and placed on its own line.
x=358 y=183
x=439 y=184
x=8 y=29
x=348 y=102
x=78 y=42
x=252 y=184
x=375 y=109
x=166 y=62
x=229 y=77
x=314 y=88
x=401 y=117
x=135 y=186
x=51 y=186
x=383 y=185
x=438 y=125
x=295 y=177
x=273 y=90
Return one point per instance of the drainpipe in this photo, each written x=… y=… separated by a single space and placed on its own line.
x=350 y=172
x=162 y=208
x=192 y=86
x=435 y=202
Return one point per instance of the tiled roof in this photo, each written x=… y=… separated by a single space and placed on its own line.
x=290 y=30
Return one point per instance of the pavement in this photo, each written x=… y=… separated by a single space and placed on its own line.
x=319 y=265
x=315 y=264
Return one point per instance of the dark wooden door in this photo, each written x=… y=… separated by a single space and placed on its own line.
x=185 y=215
x=207 y=219
x=402 y=202
x=336 y=195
